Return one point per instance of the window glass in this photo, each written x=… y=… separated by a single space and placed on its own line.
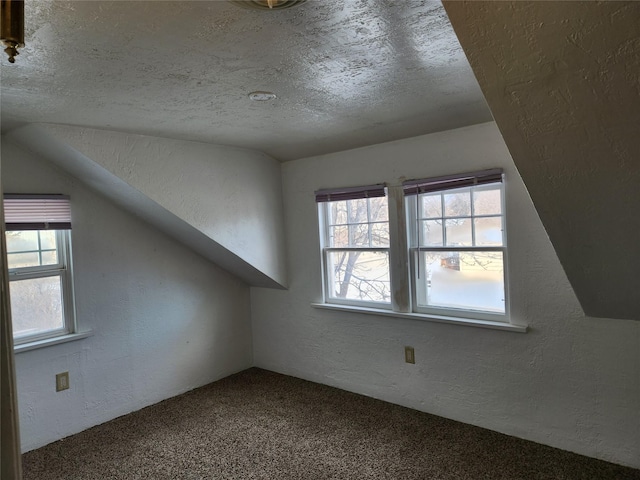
x=431 y=205
x=359 y=235
x=432 y=233
x=459 y=267
x=47 y=239
x=338 y=213
x=488 y=231
x=487 y=201
x=380 y=234
x=458 y=232
x=39 y=266
x=357 y=210
x=457 y=203
x=36 y=305
x=23 y=241
x=356 y=251
x=463 y=280
x=339 y=236
x=31 y=248
x=39 y=284
x=454 y=263
x=378 y=209
x=360 y=275
x=17 y=260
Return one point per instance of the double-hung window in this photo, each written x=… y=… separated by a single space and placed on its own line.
x=355 y=245
x=450 y=263
x=458 y=245
x=38 y=238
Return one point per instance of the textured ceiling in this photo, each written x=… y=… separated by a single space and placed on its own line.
x=347 y=73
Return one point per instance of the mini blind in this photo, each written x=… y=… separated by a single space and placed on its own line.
x=448 y=182
x=37 y=212
x=349 y=193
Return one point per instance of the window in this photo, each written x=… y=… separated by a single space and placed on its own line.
x=39 y=263
x=457 y=245
x=449 y=262
x=355 y=245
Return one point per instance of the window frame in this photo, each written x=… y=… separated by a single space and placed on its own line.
x=415 y=263
x=402 y=254
x=63 y=269
x=326 y=248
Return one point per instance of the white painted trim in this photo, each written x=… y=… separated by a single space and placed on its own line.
x=47 y=342
x=468 y=322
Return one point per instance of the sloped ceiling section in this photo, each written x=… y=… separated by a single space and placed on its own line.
x=561 y=79
x=223 y=202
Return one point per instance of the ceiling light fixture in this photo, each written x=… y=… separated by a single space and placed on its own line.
x=12 y=26
x=262 y=96
x=267 y=4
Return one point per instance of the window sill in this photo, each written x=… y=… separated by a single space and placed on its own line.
x=48 y=342
x=468 y=322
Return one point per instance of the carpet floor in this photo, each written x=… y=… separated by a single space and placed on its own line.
x=262 y=425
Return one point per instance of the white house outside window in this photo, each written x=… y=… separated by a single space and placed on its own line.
x=38 y=237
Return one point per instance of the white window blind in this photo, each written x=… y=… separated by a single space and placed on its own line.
x=37 y=212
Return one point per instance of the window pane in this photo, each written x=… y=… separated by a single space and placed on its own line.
x=378 y=210
x=50 y=257
x=431 y=233
x=22 y=241
x=359 y=235
x=463 y=280
x=379 y=234
x=459 y=232
x=36 y=305
x=47 y=239
x=358 y=210
x=431 y=206
x=339 y=236
x=487 y=202
x=22 y=248
x=457 y=204
x=359 y=276
x=19 y=260
x=488 y=231
x=338 y=213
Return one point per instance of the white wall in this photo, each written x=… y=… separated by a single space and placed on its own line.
x=572 y=382
x=164 y=319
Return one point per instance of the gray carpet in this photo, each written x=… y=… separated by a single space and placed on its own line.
x=262 y=425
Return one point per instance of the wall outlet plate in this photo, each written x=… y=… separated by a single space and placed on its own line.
x=409 y=355
x=62 y=381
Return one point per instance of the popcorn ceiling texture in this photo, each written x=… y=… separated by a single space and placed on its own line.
x=261 y=425
x=346 y=74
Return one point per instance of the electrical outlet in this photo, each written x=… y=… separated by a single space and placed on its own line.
x=409 y=355
x=62 y=381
